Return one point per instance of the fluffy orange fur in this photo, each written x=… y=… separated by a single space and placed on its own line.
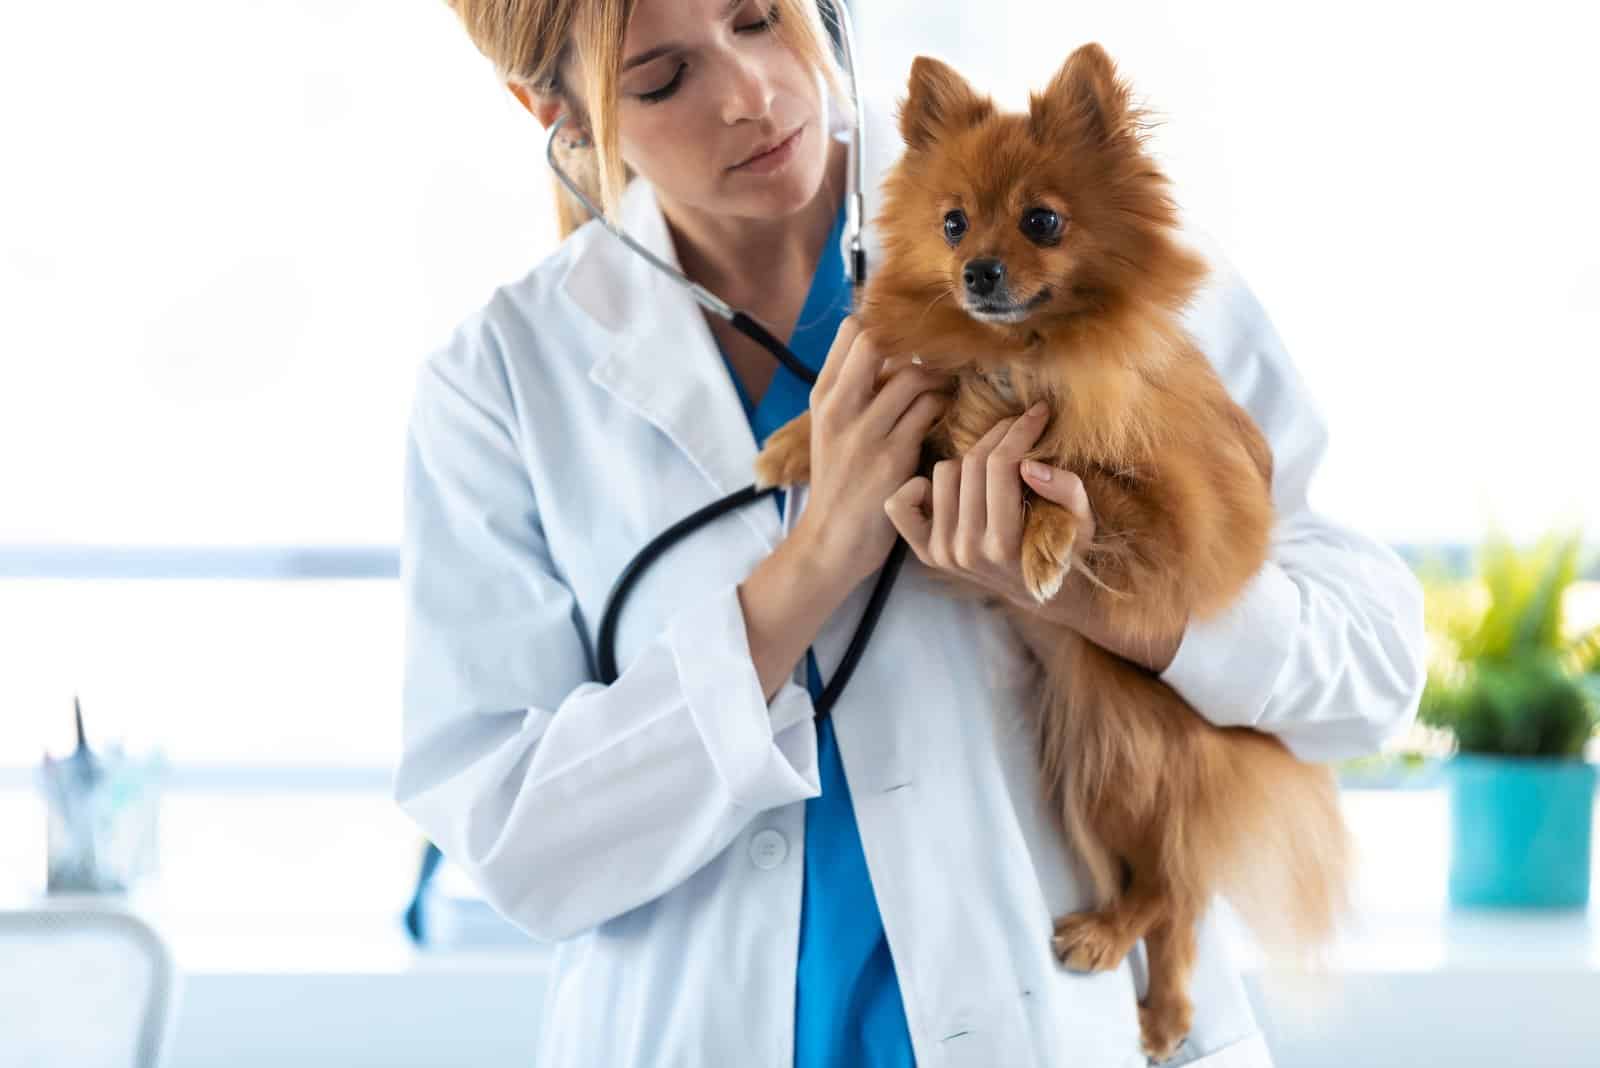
x=1166 y=808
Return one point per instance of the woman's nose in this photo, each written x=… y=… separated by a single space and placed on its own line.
x=749 y=92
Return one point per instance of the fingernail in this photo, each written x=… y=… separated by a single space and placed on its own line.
x=916 y=359
x=1034 y=469
x=1039 y=408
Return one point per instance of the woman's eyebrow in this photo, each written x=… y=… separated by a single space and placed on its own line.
x=672 y=46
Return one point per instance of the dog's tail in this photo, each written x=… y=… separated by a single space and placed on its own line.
x=1287 y=859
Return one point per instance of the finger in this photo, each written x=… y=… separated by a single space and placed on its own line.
x=906 y=508
x=838 y=352
x=918 y=419
x=1062 y=487
x=984 y=445
x=973 y=510
x=858 y=374
x=896 y=396
x=1004 y=484
x=946 y=499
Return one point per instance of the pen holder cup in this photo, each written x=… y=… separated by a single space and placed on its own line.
x=102 y=835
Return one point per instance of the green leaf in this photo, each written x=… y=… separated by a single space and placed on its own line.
x=1501 y=675
x=1583 y=655
x=1554 y=567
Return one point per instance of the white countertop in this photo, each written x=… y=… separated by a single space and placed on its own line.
x=267 y=976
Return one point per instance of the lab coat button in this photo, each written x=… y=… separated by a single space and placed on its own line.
x=768 y=848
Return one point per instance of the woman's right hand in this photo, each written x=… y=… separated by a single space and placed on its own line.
x=868 y=420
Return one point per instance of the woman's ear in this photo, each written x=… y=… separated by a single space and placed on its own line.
x=542 y=106
x=546 y=107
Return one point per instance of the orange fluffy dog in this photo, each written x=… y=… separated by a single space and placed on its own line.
x=1047 y=243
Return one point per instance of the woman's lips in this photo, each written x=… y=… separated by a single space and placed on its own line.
x=769 y=161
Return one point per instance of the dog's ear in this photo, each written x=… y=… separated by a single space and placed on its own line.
x=940 y=102
x=1086 y=93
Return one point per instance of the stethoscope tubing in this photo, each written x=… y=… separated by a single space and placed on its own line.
x=658 y=545
x=855 y=266
x=606 y=640
x=635 y=569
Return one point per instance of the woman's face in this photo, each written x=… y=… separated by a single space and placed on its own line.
x=704 y=87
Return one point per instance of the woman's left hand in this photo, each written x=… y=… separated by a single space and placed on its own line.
x=968 y=519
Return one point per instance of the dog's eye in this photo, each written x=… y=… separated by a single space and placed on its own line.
x=1041 y=224
x=955 y=224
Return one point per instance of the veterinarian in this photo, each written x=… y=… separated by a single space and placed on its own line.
x=728 y=881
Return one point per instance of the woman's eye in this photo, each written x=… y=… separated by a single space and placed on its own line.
x=1041 y=224
x=771 y=20
x=655 y=95
x=955 y=224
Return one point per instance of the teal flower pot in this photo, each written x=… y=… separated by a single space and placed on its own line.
x=1521 y=830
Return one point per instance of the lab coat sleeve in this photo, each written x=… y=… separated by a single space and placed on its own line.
x=1325 y=647
x=567 y=802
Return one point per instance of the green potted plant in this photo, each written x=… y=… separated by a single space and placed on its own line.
x=1519 y=696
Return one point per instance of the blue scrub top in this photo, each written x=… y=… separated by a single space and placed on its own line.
x=847 y=999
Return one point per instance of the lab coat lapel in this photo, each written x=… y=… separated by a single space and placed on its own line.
x=662 y=361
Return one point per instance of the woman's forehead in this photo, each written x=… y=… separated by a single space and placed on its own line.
x=654 y=23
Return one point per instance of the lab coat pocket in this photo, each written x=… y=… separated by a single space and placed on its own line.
x=995 y=1033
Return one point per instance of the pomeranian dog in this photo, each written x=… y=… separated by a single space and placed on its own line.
x=1037 y=256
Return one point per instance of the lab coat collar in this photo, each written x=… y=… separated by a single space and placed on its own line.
x=659 y=357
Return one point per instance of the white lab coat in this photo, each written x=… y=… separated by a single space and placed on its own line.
x=654 y=828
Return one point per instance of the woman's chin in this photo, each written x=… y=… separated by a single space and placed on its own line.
x=783 y=191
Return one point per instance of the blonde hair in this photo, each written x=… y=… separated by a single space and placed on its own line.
x=529 y=41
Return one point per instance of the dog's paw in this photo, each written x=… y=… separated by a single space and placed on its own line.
x=1047 y=542
x=1088 y=942
x=1163 y=1026
x=785 y=460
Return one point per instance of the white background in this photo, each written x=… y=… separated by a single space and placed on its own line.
x=229 y=231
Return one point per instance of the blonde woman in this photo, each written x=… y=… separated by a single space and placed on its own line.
x=727 y=879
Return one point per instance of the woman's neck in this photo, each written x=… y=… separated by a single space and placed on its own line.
x=735 y=256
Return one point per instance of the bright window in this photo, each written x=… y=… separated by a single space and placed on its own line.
x=228 y=233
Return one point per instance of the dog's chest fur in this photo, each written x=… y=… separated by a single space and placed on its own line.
x=999 y=380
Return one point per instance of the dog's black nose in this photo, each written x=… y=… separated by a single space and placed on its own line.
x=981 y=276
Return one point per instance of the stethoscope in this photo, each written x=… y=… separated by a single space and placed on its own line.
x=856 y=269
